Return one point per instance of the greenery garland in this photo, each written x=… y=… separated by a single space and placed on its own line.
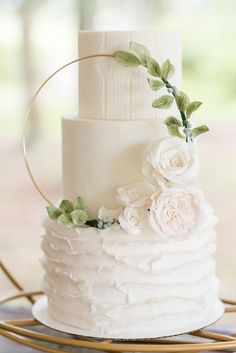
x=140 y=55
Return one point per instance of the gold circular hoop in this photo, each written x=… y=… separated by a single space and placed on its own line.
x=27 y=118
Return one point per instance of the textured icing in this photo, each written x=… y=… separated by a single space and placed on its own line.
x=110 y=91
x=118 y=283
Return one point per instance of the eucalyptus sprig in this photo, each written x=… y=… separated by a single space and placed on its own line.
x=140 y=55
x=70 y=214
x=73 y=215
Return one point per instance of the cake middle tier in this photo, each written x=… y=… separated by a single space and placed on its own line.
x=101 y=155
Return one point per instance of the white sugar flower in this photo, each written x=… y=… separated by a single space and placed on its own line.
x=171 y=161
x=179 y=213
x=135 y=194
x=133 y=220
x=108 y=215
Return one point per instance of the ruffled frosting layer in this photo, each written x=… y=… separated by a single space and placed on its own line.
x=107 y=281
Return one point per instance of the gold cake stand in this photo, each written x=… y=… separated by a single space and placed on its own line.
x=23 y=332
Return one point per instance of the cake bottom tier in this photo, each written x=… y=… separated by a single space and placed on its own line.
x=112 y=284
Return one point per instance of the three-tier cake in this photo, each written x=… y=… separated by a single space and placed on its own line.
x=143 y=266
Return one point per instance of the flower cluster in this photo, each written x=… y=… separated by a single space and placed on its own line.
x=167 y=200
x=106 y=217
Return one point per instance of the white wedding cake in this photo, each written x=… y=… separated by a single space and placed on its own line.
x=135 y=259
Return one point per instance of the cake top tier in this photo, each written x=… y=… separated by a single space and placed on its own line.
x=112 y=92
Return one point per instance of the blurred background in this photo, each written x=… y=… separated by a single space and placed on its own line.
x=36 y=38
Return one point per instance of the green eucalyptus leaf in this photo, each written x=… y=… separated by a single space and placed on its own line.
x=199 y=130
x=66 y=219
x=174 y=131
x=153 y=67
x=79 y=217
x=182 y=101
x=140 y=51
x=192 y=107
x=155 y=84
x=80 y=204
x=163 y=102
x=53 y=212
x=66 y=206
x=126 y=59
x=172 y=120
x=173 y=124
x=167 y=70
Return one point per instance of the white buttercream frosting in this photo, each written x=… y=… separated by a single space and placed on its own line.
x=108 y=281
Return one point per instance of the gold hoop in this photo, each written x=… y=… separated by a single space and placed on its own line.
x=27 y=118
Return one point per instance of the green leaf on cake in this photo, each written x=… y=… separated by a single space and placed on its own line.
x=155 y=85
x=53 y=212
x=173 y=124
x=182 y=101
x=153 y=67
x=174 y=131
x=140 y=51
x=126 y=59
x=73 y=215
x=67 y=206
x=79 y=217
x=167 y=70
x=199 y=130
x=192 y=107
x=80 y=204
x=163 y=102
x=66 y=219
x=172 y=120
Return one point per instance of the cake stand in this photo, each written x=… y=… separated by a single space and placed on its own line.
x=25 y=332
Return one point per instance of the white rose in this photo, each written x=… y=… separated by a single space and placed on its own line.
x=178 y=213
x=171 y=161
x=133 y=220
x=108 y=215
x=135 y=194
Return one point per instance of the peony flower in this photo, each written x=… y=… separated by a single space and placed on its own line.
x=171 y=161
x=177 y=213
x=133 y=220
x=135 y=194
